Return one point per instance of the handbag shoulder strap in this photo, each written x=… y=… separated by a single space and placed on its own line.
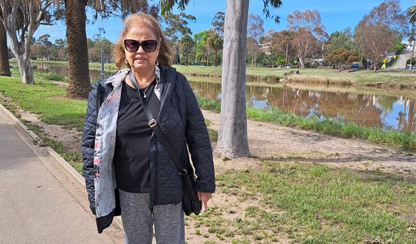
x=154 y=125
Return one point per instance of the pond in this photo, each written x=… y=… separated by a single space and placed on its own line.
x=62 y=70
x=363 y=108
x=387 y=109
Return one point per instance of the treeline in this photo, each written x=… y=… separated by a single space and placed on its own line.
x=304 y=43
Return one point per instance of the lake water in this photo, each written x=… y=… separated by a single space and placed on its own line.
x=389 y=110
x=386 y=111
x=62 y=70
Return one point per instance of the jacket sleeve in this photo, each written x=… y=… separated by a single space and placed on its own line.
x=198 y=142
x=88 y=140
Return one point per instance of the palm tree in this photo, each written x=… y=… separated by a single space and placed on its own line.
x=4 y=53
x=215 y=42
x=411 y=13
x=79 y=81
x=186 y=44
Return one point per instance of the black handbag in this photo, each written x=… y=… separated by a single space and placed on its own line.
x=190 y=201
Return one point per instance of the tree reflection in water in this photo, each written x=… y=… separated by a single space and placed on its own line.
x=363 y=109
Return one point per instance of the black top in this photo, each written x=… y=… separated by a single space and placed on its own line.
x=131 y=157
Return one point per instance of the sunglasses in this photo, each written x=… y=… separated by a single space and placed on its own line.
x=148 y=46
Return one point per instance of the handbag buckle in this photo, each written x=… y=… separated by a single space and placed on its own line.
x=184 y=171
x=152 y=123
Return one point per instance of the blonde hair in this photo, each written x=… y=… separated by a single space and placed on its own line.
x=165 y=53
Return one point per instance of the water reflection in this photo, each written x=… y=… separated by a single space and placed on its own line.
x=396 y=112
x=62 y=70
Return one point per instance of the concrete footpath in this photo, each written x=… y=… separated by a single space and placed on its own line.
x=40 y=202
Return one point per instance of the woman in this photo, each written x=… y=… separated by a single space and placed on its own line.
x=125 y=164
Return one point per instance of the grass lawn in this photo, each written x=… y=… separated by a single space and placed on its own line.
x=313 y=203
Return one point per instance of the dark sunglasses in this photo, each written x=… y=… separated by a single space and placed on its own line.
x=148 y=46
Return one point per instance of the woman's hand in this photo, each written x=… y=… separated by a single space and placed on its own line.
x=204 y=198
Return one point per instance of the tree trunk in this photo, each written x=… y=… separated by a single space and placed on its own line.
x=287 y=54
x=302 y=65
x=412 y=55
x=186 y=58
x=25 y=69
x=411 y=114
x=215 y=58
x=4 y=53
x=375 y=66
x=78 y=74
x=232 y=135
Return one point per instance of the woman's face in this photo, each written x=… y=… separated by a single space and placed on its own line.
x=141 y=60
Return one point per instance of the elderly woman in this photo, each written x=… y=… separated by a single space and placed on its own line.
x=126 y=167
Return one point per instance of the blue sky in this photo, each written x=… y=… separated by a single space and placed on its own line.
x=335 y=15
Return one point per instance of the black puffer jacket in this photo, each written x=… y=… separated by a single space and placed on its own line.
x=181 y=121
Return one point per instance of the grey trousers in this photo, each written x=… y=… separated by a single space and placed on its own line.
x=138 y=220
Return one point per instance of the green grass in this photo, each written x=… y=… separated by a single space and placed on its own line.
x=313 y=203
x=47 y=100
x=50 y=76
x=406 y=140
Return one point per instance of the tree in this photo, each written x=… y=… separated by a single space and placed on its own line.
x=307 y=30
x=255 y=32
x=218 y=23
x=21 y=19
x=202 y=47
x=4 y=55
x=215 y=42
x=187 y=43
x=342 y=56
x=176 y=27
x=341 y=39
x=232 y=135
x=377 y=32
x=411 y=13
x=281 y=42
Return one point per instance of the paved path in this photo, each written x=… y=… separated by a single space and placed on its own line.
x=401 y=63
x=39 y=203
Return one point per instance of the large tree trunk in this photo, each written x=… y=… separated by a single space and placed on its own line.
x=78 y=74
x=232 y=135
x=186 y=58
x=25 y=69
x=4 y=53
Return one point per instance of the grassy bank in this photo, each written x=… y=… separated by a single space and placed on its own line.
x=383 y=79
x=405 y=140
x=313 y=203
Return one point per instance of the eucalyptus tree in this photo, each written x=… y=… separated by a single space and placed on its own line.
x=255 y=31
x=232 y=135
x=176 y=26
x=307 y=32
x=218 y=23
x=378 y=31
x=187 y=44
x=20 y=19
